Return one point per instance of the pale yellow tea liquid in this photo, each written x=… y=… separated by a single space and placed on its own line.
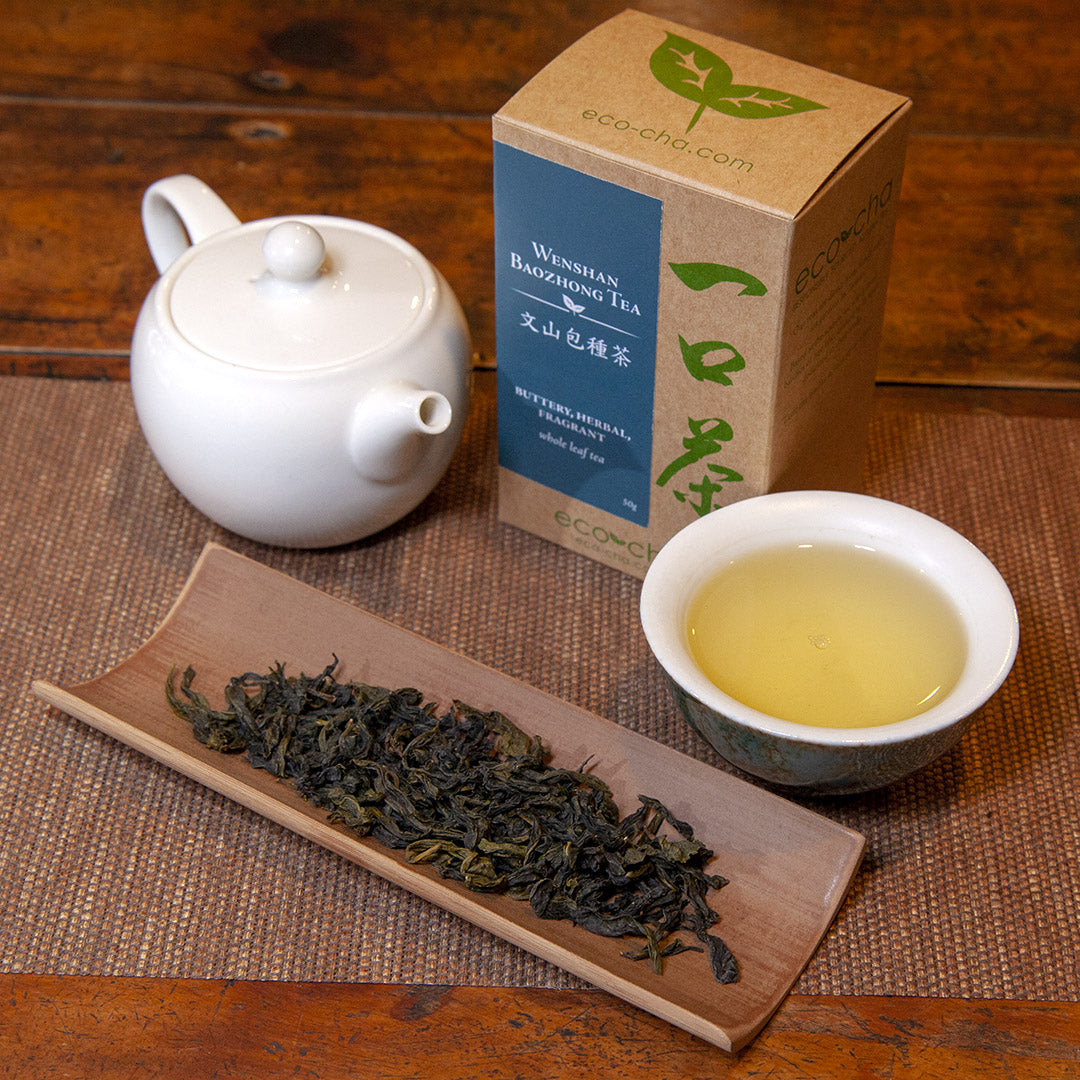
x=826 y=634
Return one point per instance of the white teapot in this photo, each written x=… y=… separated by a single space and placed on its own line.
x=303 y=381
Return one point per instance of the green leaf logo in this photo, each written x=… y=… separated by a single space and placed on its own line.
x=695 y=73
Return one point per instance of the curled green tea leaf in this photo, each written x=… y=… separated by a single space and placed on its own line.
x=469 y=793
x=699 y=75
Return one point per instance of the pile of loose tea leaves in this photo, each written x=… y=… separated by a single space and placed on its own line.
x=472 y=794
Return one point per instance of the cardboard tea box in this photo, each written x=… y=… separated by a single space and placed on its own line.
x=692 y=251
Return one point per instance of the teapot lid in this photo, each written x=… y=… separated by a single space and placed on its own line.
x=297 y=294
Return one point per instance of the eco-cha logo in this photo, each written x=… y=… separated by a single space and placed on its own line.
x=695 y=73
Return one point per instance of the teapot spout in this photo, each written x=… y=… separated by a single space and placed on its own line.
x=392 y=427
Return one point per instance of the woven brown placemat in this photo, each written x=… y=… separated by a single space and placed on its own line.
x=113 y=864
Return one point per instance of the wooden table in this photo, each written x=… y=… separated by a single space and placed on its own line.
x=381 y=111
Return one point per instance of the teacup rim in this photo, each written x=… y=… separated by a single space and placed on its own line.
x=982 y=597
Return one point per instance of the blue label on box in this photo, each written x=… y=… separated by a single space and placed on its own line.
x=576 y=294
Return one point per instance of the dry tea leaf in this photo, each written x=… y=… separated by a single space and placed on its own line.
x=470 y=793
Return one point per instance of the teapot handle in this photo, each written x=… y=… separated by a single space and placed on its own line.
x=180 y=211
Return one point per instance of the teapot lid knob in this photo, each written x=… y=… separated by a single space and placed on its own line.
x=294 y=251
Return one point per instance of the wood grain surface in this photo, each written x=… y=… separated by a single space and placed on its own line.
x=382 y=111
x=95 y=1028
x=986 y=70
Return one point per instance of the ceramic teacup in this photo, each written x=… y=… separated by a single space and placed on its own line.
x=818 y=759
